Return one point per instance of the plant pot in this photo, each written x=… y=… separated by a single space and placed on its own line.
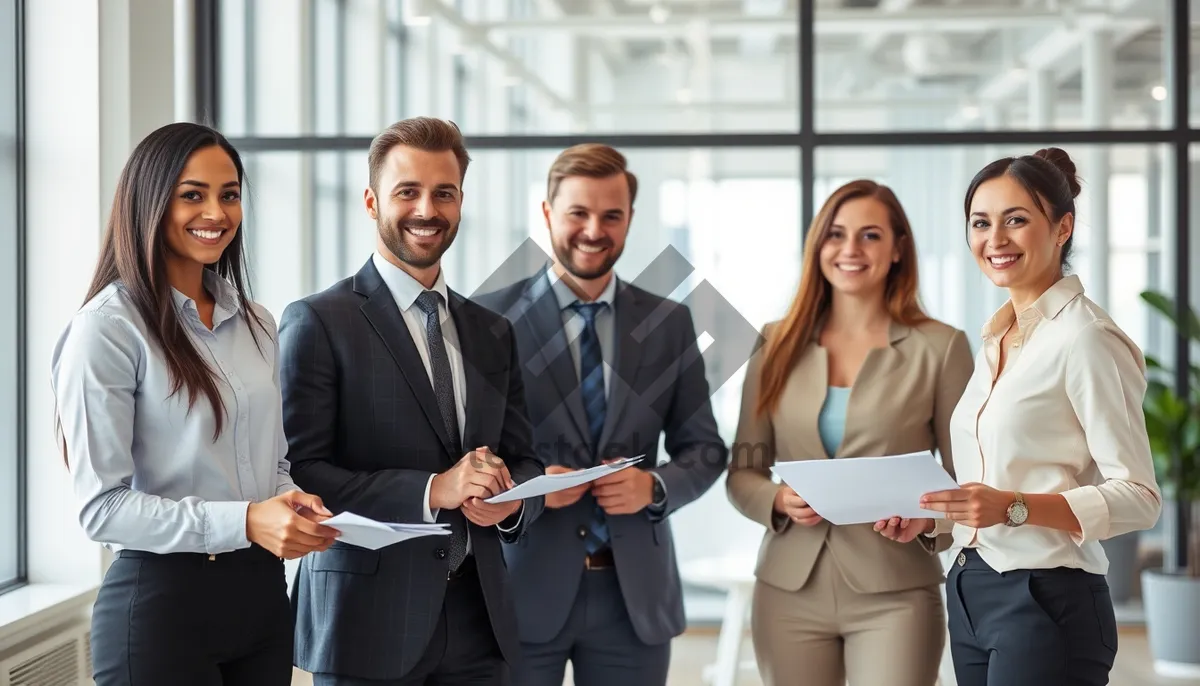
x=1172 y=605
x=1122 y=554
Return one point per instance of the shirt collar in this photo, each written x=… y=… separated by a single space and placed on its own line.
x=404 y=288
x=225 y=297
x=567 y=297
x=1047 y=306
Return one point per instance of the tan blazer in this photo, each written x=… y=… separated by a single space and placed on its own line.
x=901 y=402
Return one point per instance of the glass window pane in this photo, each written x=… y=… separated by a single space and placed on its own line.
x=354 y=66
x=1041 y=64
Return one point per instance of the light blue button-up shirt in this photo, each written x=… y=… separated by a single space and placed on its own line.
x=147 y=472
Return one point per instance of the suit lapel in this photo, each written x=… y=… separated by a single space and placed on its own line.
x=629 y=314
x=805 y=394
x=470 y=349
x=542 y=324
x=880 y=363
x=381 y=311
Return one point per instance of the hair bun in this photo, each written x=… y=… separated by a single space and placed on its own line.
x=1059 y=158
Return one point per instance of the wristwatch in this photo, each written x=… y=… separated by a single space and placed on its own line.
x=1018 y=512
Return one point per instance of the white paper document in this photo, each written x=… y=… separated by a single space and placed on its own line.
x=856 y=490
x=552 y=483
x=368 y=533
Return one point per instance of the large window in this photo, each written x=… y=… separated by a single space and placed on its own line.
x=12 y=506
x=740 y=117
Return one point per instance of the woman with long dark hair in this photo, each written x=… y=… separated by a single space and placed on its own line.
x=1050 y=447
x=170 y=417
x=855 y=369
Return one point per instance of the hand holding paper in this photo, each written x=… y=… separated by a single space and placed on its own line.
x=861 y=490
x=554 y=482
x=368 y=533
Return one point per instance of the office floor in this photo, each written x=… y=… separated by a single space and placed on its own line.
x=692 y=651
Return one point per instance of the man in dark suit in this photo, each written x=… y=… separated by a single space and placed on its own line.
x=608 y=369
x=403 y=403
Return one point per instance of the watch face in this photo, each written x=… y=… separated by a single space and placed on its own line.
x=1017 y=513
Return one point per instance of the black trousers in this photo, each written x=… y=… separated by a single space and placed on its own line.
x=188 y=620
x=1029 y=627
x=463 y=649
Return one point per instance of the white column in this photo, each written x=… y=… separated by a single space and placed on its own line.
x=1041 y=99
x=80 y=126
x=1097 y=104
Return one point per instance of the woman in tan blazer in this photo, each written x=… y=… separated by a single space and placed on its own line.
x=856 y=368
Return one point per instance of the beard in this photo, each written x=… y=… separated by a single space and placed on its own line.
x=565 y=252
x=404 y=245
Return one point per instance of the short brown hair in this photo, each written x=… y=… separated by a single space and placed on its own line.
x=423 y=133
x=593 y=160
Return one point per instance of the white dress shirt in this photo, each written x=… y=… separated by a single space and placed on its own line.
x=405 y=291
x=1064 y=416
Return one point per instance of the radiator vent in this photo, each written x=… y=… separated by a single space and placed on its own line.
x=58 y=658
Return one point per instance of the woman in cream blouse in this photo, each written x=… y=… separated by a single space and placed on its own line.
x=1050 y=447
x=856 y=368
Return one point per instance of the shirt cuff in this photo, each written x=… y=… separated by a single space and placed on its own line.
x=657 y=509
x=514 y=527
x=225 y=526
x=285 y=487
x=1091 y=509
x=941 y=525
x=429 y=515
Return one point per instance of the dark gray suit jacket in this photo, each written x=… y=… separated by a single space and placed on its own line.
x=365 y=435
x=658 y=385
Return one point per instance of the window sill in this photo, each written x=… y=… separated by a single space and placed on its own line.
x=26 y=610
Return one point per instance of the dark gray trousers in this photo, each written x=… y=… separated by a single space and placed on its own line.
x=1027 y=627
x=599 y=641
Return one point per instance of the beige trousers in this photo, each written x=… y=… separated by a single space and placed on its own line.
x=826 y=633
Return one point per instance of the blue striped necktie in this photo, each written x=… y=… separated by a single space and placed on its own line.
x=591 y=385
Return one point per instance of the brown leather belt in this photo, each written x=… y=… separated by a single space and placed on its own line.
x=601 y=559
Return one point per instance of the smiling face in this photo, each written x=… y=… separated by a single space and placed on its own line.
x=589 y=221
x=859 y=248
x=205 y=211
x=418 y=205
x=1016 y=245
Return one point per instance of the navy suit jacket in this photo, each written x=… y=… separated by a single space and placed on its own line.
x=658 y=386
x=365 y=435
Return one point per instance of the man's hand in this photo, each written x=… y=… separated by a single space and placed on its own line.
x=478 y=474
x=628 y=491
x=566 y=497
x=904 y=530
x=486 y=514
x=789 y=503
x=287 y=525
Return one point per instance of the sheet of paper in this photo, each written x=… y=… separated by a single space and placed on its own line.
x=368 y=533
x=551 y=483
x=856 y=490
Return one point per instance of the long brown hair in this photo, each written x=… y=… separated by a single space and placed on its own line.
x=789 y=339
x=133 y=252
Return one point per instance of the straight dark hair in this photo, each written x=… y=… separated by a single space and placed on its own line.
x=133 y=253
x=1047 y=175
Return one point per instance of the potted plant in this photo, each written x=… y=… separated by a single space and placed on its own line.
x=1172 y=597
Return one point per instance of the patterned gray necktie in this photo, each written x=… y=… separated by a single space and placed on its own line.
x=443 y=389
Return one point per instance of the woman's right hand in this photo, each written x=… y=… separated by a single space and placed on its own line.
x=904 y=530
x=277 y=525
x=788 y=503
